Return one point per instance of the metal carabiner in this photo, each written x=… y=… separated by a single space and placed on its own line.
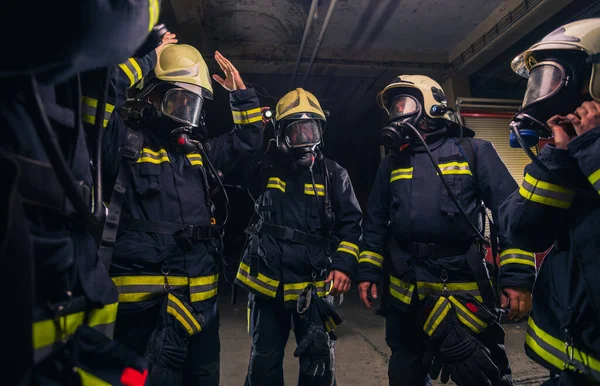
x=444 y=278
x=165 y=272
x=570 y=363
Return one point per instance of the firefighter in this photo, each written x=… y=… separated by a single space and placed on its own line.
x=420 y=247
x=306 y=233
x=162 y=239
x=557 y=204
x=63 y=303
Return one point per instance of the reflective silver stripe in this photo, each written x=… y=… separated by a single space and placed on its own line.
x=594 y=179
x=89 y=106
x=309 y=189
x=553 y=351
x=276 y=183
x=183 y=315
x=436 y=316
x=348 y=247
x=427 y=289
x=546 y=193
x=247 y=116
x=467 y=318
x=292 y=291
x=517 y=256
x=132 y=69
x=402 y=173
x=371 y=258
x=401 y=290
x=261 y=283
x=455 y=168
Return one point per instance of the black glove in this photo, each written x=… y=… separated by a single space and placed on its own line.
x=461 y=357
x=317 y=358
x=315 y=345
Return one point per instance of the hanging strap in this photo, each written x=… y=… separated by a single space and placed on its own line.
x=131 y=152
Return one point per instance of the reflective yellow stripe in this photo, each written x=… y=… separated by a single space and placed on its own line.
x=330 y=324
x=468 y=318
x=401 y=174
x=195 y=159
x=248 y=316
x=553 y=351
x=371 y=257
x=46 y=333
x=436 y=316
x=260 y=283
x=139 y=288
x=204 y=287
x=594 y=179
x=426 y=288
x=455 y=168
x=517 y=256
x=348 y=247
x=546 y=193
x=88 y=379
x=401 y=290
x=89 y=106
x=276 y=183
x=153 y=13
x=153 y=157
x=183 y=315
x=309 y=189
x=246 y=117
x=291 y=291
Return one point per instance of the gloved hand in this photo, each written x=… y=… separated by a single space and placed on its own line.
x=317 y=358
x=461 y=357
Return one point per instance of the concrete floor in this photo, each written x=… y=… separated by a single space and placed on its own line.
x=362 y=354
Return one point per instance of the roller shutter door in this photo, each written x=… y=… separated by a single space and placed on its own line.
x=496 y=130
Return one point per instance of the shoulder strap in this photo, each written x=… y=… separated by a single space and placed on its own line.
x=466 y=147
x=130 y=153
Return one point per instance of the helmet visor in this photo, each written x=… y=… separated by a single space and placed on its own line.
x=403 y=105
x=182 y=106
x=303 y=133
x=545 y=79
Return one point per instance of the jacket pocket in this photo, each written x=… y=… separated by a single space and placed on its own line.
x=447 y=205
x=146 y=179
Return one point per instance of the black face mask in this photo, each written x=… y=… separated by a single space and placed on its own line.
x=404 y=109
x=554 y=87
x=299 y=141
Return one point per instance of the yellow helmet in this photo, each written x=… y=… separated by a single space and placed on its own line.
x=184 y=66
x=579 y=36
x=299 y=104
x=435 y=104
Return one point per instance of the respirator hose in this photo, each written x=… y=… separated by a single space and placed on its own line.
x=445 y=183
x=544 y=168
x=220 y=182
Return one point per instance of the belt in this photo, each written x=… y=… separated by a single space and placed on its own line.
x=195 y=232
x=436 y=250
x=295 y=235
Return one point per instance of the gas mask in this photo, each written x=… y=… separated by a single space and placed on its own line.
x=404 y=109
x=176 y=113
x=553 y=87
x=300 y=140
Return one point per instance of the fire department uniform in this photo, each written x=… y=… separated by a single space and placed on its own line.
x=288 y=249
x=563 y=326
x=169 y=187
x=409 y=203
x=61 y=289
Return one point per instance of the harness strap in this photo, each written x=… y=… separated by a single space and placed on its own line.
x=294 y=235
x=195 y=232
x=131 y=152
x=435 y=250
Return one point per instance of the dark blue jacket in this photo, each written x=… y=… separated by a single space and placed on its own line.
x=168 y=186
x=409 y=200
x=543 y=212
x=287 y=199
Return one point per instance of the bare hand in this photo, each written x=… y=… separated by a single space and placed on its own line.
x=562 y=129
x=168 y=38
x=586 y=117
x=232 y=80
x=363 y=291
x=519 y=300
x=341 y=282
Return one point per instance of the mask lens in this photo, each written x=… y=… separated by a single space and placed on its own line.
x=544 y=80
x=403 y=105
x=302 y=134
x=183 y=106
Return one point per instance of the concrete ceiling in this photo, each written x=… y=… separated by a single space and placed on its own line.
x=367 y=43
